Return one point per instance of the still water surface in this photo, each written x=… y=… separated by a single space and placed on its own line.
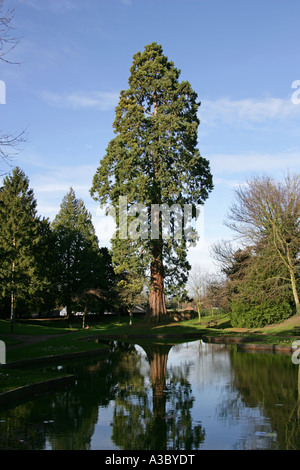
x=164 y=397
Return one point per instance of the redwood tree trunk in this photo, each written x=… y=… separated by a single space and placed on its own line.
x=157 y=302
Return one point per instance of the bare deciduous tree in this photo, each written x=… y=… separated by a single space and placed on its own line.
x=197 y=287
x=8 y=143
x=267 y=213
x=205 y=288
x=7 y=42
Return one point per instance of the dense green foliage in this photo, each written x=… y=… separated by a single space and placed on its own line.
x=258 y=291
x=253 y=315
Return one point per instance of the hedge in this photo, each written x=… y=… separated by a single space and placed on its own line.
x=247 y=315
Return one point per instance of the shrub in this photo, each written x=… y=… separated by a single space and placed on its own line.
x=247 y=315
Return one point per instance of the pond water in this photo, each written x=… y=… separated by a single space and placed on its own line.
x=163 y=397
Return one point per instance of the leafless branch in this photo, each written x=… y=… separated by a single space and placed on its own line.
x=7 y=42
x=9 y=147
x=8 y=143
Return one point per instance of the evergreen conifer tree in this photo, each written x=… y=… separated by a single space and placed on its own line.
x=19 y=239
x=153 y=160
x=80 y=264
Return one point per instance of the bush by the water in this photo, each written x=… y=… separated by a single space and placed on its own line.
x=247 y=315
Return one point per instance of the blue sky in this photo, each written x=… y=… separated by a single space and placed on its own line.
x=240 y=56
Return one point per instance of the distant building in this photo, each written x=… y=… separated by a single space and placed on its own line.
x=63 y=312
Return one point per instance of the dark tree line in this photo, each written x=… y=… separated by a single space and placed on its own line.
x=46 y=265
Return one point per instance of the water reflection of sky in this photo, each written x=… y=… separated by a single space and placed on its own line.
x=211 y=377
x=101 y=438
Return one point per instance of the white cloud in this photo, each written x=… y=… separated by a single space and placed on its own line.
x=100 y=100
x=247 y=111
x=254 y=162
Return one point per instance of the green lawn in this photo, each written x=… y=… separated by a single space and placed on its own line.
x=34 y=327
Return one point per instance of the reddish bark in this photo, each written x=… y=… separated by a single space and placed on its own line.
x=157 y=302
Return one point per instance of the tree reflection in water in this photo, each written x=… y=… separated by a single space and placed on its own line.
x=140 y=424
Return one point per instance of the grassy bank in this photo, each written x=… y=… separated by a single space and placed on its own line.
x=16 y=378
x=33 y=339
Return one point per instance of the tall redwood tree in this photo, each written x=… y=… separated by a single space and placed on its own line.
x=153 y=160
